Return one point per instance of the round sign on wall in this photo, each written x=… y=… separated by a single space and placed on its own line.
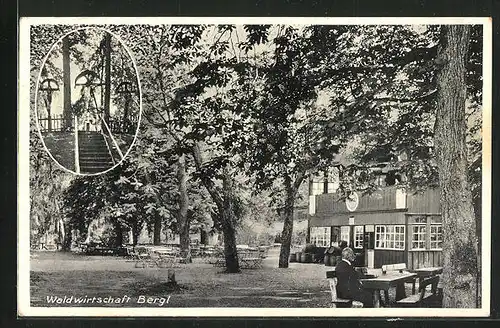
x=352 y=202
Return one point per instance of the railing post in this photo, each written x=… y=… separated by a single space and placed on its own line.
x=77 y=156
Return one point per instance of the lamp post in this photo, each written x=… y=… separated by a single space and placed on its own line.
x=49 y=86
x=126 y=89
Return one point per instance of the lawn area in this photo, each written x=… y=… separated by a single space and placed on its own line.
x=202 y=285
x=57 y=274
x=61 y=146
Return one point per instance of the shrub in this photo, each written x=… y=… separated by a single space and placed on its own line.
x=309 y=248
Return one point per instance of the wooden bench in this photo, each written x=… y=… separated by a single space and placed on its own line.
x=339 y=302
x=218 y=262
x=417 y=300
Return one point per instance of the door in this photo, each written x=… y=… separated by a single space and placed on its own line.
x=369 y=245
x=335 y=236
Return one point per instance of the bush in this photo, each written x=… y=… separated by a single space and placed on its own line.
x=309 y=248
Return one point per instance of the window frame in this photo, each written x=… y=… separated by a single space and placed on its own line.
x=342 y=234
x=423 y=241
x=390 y=230
x=324 y=236
x=356 y=234
x=436 y=225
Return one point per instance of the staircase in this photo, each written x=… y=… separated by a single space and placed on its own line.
x=94 y=156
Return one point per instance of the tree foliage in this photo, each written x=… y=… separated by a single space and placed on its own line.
x=228 y=107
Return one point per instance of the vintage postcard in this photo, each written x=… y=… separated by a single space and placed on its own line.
x=192 y=167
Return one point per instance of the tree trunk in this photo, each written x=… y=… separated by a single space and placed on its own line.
x=171 y=277
x=107 y=76
x=157 y=230
x=118 y=233
x=203 y=237
x=128 y=98
x=67 y=112
x=182 y=214
x=68 y=237
x=460 y=248
x=287 y=214
x=227 y=216
x=135 y=233
x=224 y=202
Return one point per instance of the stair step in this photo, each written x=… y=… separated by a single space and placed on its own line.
x=98 y=161
x=94 y=143
x=95 y=158
x=89 y=171
x=93 y=148
x=94 y=153
x=96 y=165
x=89 y=167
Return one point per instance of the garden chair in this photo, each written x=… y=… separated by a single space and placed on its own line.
x=424 y=297
x=141 y=257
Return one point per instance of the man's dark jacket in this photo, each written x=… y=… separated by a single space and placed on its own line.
x=348 y=285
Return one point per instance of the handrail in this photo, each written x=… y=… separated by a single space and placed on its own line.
x=112 y=138
x=109 y=149
x=77 y=156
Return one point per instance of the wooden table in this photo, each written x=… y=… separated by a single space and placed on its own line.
x=386 y=281
x=423 y=273
x=168 y=256
x=251 y=262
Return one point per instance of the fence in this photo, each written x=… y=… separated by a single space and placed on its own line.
x=121 y=126
x=52 y=124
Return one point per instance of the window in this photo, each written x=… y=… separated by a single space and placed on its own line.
x=320 y=236
x=418 y=237
x=358 y=237
x=344 y=234
x=318 y=187
x=380 y=180
x=390 y=237
x=436 y=236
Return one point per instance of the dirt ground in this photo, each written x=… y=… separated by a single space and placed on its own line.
x=55 y=275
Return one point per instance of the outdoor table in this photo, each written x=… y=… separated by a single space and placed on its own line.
x=251 y=262
x=423 y=273
x=386 y=281
x=167 y=255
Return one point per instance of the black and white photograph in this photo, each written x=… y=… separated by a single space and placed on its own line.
x=87 y=100
x=254 y=167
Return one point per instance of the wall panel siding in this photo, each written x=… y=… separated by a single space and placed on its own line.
x=382 y=257
x=383 y=199
x=422 y=259
x=331 y=219
x=427 y=201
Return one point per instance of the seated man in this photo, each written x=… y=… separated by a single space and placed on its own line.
x=348 y=284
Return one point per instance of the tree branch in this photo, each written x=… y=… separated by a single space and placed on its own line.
x=209 y=184
x=405 y=100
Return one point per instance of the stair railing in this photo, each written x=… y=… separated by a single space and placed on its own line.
x=115 y=144
x=77 y=155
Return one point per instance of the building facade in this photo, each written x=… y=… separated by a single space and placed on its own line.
x=390 y=225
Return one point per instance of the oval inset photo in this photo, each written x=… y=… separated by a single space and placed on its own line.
x=88 y=101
